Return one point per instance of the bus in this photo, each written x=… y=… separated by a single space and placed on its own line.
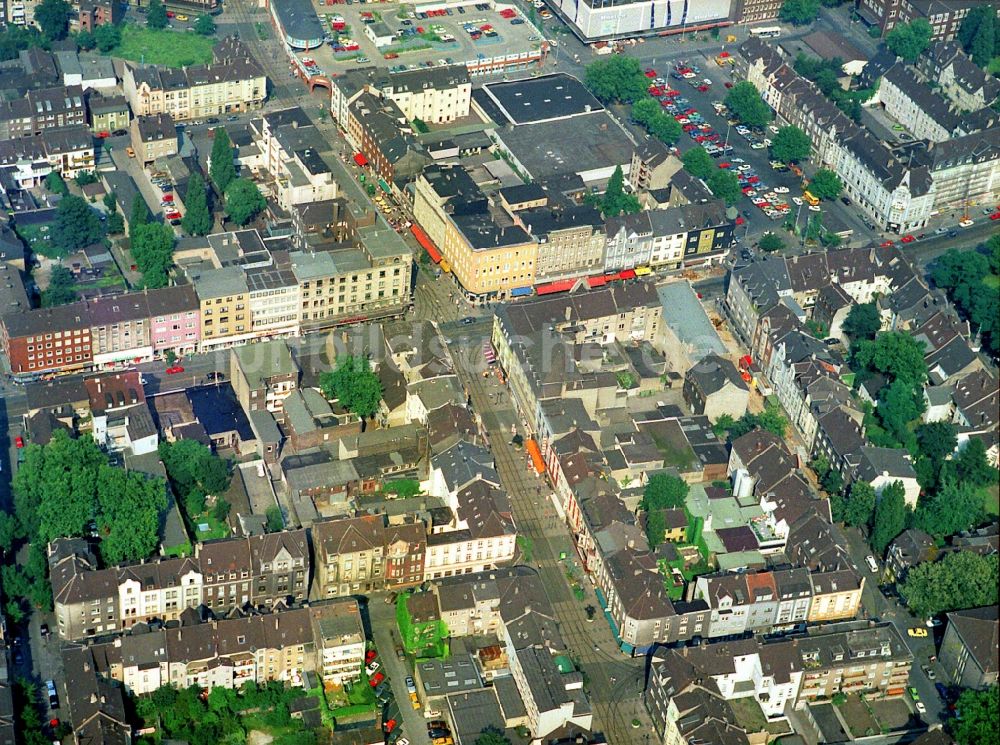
x=766 y=32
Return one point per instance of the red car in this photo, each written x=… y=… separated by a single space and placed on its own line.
x=167 y=197
x=725 y=165
x=54 y=723
x=174 y=370
x=390 y=725
x=650 y=73
x=729 y=85
x=19 y=442
x=173 y=215
x=702 y=88
x=995 y=215
x=691 y=128
x=655 y=90
x=885 y=244
x=740 y=221
x=374 y=680
x=908 y=239
x=103 y=135
x=170 y=14
x=370 y=656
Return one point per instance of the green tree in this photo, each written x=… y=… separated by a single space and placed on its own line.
x=61 y=288
x=799 y=12
x=76 y=225
x=983 y=46
x=745 y=102
x=197 y=219
x=955 y=507
x=156 y=15
x=85 y=40
x=770 y=242
x=275 y=521
x=107 y=36
x=863 y=321
x=10 y=531
x=791 y=145
x=115 y=224
x=222 y=168
x=130 y=505
x=645 y=110
x=655 y=528
x=971 y=466
x=901 y=403
x=205 y=25
x=139 y=212
x=665 y=128
x=891 y=514
x=616 y=78
x=894 y=354
x=492 y=736
x=614 y=200
x=909 y=40
x=153 y=251
x=970 y=24
x=826 y=184
x=725 y=186
x=980 y=720
x=54 y=183
x=857 y=507
x=936 y=441
x=664 y=491
x=243 y=201
x=960 y=580
x=354 y=384
x=52 y=17
x=698 y=163
x=194 y=472
x=85 y=178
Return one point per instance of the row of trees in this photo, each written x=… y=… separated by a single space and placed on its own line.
x=620 y=79
x=972 y=281
x=771 y=420
x=723 y=184
x=962 y=579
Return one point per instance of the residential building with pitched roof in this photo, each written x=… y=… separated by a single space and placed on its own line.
x=969 y=647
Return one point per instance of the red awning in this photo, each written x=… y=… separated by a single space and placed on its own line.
x=426 y=243
x=564 y=285
x=599 y=281
x=627 y=274
x=536 y=456
x=360 y=159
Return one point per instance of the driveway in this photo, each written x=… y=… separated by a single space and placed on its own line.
x=383 y=624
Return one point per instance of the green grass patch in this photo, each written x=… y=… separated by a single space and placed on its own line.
x=38 y=241
x=527 y=548
x=993 y=68
x=216 y=528
x=263 y=32
x=991 y=498
x=360 y=693
x=163 y=47
x=992 y=281
x=181 y=549
x=404 y=48
x=112 y=280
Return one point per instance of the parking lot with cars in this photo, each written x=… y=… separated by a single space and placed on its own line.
x=444 y=37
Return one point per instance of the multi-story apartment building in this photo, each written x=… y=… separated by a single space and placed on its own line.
x=370 y=281
x=570 y=241
x=381 y=133
x=969 y=650
x=224 y=299
x=28 y=160
x=273 y=296
x=220 y=653
x=108 y=113
x=292 y=159
x=966 y=84
x=339 y=637
x=874 y=661
x=174 y=320
x=48 y=339
x=48 y=108
x=223 y=575
x=434 y=95
x=966 y=170
x=263 y=376
x=154 y=137
x=945 y=16
x=490 y=262
x=350 y=555
x=234 y=82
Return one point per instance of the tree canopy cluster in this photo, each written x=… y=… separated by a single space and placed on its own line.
x=52 y=17
x=156 y=15
x=222 y=168
x=615 y=200
x=770 y=242
x=617 y=79
x=826 y=184
x=152 y=248
x=909 y=40
x=354 y=384
x=194 y=472
x=650 y=114
x=698 y=163
x=799 y=12
x=900 y=359
x=197 y=219
x=825 y=73
x=726 y=186
x=972 y=281
x=243 y=201
x=224 y=715
x=863 y=322
x=980 y=716
x=960 y=580
x=65 y=485
x=979 y=34
x=61 y=289
x=76 y=225
x=746 y=104
x=791 y=145
x=770 y=420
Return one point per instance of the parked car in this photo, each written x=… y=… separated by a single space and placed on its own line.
x=372 y=668
x=917 y=632
x=175 y=370
x=374 y=680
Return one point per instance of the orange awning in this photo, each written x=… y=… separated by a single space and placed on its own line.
x=426 y=243
x=536 y=456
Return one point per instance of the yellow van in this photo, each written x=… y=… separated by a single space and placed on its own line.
x=810 y=198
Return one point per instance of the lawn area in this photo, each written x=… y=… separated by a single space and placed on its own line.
x=991 y=499
x=361 y=694
x=749 y=716
x=994 y=67
x=163 y=47
x=37 y=239
x=215 y=528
